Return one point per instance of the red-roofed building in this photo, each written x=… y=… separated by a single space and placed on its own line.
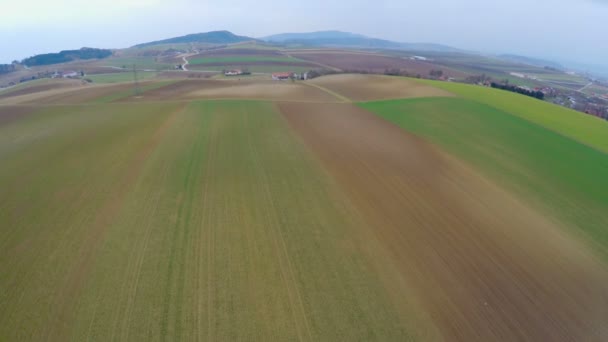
x=282 y=76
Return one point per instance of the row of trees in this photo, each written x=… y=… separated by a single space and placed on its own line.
x=67 y=56
x=6 y=68
x=532 y=93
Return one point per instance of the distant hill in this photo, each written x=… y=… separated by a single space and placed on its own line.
x=320 y=35
x=352 y=40
x=531 y=61
x=67 y=56
x=214 y=37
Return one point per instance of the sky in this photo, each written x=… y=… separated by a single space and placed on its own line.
x=563 y=30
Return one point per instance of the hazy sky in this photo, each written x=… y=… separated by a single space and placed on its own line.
x=571 y=30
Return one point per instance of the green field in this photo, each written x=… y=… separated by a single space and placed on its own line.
x=143 y=87
x=252 y=68
x=565 y=177
x=167 y=217
x=121 y=77
x=139 y=62
x=179 y=222
x=229 y=60
x=583 y=128
x=562 y=77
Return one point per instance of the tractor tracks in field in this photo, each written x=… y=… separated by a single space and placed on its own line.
x=285 y=264
x=98 y=228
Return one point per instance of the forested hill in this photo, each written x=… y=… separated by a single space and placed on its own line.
x=214 y=37
x=67 y=56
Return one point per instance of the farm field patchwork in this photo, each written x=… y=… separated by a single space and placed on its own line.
x=121 y=77
x=214 y=60
x=583 y=128
x=371 y=62
x=180 y=222
x=468 y=258
x=564 y=177
x=139 y=62
x=254 y=68
x=365 y=88
x=189 y=213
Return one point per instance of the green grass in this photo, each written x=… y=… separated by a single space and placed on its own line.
x=562 y=176
x=121 y=77
x=140 y=62
x=25 y=85
x=230 y=60
x=586 y=129
x=562 y=77
x=201 y=221
x=127 y=93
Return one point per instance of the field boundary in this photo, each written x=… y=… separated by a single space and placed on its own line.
x=343 y=99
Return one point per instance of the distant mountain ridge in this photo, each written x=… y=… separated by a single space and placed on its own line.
x=213 y=37
x=351 y=40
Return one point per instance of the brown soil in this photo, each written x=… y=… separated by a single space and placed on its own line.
x=375 y=87
x=484 y=267
x=235 y=89
x=38 y=88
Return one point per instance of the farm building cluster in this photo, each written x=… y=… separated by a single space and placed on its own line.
x=284 y=76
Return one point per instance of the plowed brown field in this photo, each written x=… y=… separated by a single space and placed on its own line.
x=484 y=266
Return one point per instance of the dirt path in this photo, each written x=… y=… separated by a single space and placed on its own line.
x=330 y=92
x=185 y=65
x=481 y=272
x=585 y=87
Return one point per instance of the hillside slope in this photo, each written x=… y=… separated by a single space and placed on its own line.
x=347 y=39
x=213 y=37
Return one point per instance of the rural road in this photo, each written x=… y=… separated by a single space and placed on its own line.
x=585 y=87
x=185 y=63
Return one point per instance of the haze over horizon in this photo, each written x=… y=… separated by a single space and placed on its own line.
x=565 y=31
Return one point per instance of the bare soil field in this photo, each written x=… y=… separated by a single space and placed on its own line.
x=235 y=89
x=82 y=94
x=480 y=272
x=375 y=87
x=41 y=86
x=373 y=63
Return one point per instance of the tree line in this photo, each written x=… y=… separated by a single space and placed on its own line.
x=532 y=93
x=67 y=56
x=6 y=68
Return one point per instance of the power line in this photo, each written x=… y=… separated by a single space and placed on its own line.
x=136 y=89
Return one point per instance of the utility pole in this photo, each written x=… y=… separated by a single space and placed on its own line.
x=136 y=88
